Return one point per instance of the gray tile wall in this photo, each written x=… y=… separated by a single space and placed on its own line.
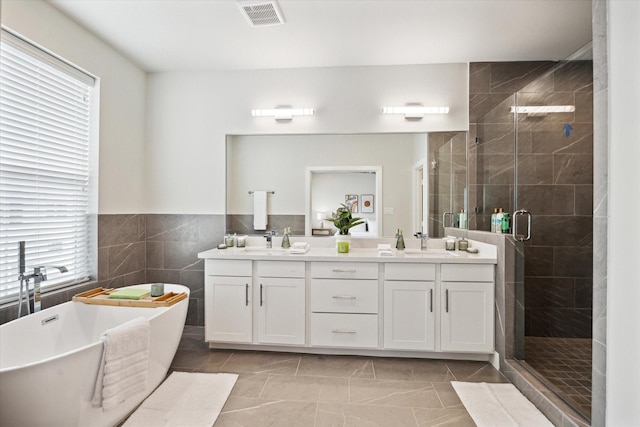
x=139 y=248
x=554 y=175
x=243 y=224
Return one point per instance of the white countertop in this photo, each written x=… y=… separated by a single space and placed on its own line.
x=486 y=255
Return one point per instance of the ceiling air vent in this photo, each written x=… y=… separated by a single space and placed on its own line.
x=261 y=13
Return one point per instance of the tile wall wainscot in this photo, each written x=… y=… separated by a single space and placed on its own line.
x=243 y=224
x=141 y=248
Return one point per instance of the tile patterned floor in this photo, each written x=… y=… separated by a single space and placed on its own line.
x=290 y=389
x=565 y=363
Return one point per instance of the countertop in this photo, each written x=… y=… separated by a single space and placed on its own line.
x=486 y=255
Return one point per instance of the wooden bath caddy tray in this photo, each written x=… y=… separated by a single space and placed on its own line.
x=100 y=296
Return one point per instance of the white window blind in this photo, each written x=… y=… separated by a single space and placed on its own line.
x=45 y=135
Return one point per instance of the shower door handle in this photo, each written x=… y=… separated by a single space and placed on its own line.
x=444 y=219
x=516 y=214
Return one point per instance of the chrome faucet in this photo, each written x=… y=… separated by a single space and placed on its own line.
x=269 y=236
x=39 y=275
x=423 y=240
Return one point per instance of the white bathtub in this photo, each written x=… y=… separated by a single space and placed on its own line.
x=48 y=367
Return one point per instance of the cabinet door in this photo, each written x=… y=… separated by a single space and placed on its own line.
x=409 y=318
x=467 y=317
x=281 y=311
x=228 y=309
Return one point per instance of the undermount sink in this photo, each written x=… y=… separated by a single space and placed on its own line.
x=264 y=251
x=429 y=253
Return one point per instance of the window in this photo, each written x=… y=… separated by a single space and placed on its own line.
x=48 y=149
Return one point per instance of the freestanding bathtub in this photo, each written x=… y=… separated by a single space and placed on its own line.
x=49 y=361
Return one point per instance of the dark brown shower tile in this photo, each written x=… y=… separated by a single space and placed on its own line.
x=549 y=292
x=535 y=169
x=495 y=139
x=510 y=77
x=584 y=199
x=496 y=169
x=584 y=107
x=550 y=138
x=573 y=261
x=573 y=169
x=561 y=231
x=547 y=199
x=479 y=77
x=584 y=293
x=573 y=76
x=538 y=261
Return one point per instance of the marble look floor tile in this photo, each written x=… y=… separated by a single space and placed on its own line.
x=336 y=366
x=248 y=412
x=311 y=389
x=443 y=417
x=262 y=363
x=448 y=396
x=341 y=415
x=475 y=372
x=411 y=370
x=249 y=385
x=413 y=394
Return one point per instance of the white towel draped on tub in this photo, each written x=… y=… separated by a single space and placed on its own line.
x=259 y=210
x=124 y=367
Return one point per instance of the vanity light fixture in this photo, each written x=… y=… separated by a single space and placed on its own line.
x=282 y=113
x=415 y=111
x=543 y=109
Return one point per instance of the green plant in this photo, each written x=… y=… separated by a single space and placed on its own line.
x=343 y=220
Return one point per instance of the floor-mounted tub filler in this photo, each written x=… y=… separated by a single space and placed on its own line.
x=49 y=361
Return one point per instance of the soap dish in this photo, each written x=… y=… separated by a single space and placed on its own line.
x=472 y=250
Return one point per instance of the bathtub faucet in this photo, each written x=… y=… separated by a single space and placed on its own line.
x=39 y=275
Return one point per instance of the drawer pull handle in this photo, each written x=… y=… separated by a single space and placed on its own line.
x=343 y=271
x=343 y=331
x=260 y=294
x=246 y=294
x=446 y=300
x=344 y=297
x=431 y=300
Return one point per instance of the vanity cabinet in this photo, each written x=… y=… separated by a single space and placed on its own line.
x=344 y=304
x=281 y=302
x=409 y=306
x=228 y=293
x=467 y=298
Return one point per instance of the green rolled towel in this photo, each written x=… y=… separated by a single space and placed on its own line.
x=130 y=293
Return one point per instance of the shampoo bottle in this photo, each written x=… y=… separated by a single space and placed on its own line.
x=499 y=215
x=493 y=220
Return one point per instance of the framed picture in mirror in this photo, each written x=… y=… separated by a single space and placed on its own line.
x=351 y=200
x=367 y=203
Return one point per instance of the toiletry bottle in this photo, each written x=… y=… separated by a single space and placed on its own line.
x=462 y=219
x=493 y=220
x=506 y=223
x=286 y=244
x=400 y=240
x=463 y=244
x=499 y=216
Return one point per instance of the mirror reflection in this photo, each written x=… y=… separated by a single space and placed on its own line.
x=392 y=181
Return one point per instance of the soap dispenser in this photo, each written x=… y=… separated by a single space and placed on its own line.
x=399 y=240
x=286 y=244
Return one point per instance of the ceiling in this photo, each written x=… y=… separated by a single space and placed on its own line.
x=176 y=35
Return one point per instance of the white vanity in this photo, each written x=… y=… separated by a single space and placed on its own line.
x=432 y=303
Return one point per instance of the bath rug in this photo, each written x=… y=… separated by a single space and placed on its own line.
x=184 y=399
x=500 y=405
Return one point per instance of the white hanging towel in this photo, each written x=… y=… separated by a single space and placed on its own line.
x=259 y=210
x=124 y=366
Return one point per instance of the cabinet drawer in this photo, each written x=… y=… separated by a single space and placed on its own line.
x=344 y=296
x=409 y=271
x=467 y=272
x=280 y=268
x=227 y=267
x=344 y=330
x=344 y=270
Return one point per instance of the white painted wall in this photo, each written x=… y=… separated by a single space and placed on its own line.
x=122 y=98
x=189 y=115
x=623 y=281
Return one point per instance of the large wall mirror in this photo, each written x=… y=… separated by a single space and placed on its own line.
x=392 y=179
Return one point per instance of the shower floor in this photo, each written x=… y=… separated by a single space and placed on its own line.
x=565 y=364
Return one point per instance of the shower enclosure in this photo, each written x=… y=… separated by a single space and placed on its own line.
x=531 y=147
